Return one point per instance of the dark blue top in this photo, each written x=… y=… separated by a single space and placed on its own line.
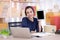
x=29 y=24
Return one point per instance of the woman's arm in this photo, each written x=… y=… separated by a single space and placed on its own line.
x=24 y=22
x=37 y=26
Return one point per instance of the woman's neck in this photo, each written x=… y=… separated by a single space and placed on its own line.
x=31 y=19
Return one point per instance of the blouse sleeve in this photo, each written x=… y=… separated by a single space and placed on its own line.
x=37 y=27
x=24 y=22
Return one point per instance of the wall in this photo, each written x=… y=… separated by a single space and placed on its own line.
x=14 y=8
x=47 y=5
x=11 y=10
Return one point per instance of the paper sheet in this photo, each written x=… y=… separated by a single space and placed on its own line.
x=42 y=34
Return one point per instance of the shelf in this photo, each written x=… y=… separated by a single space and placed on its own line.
x=2 y=20
x=26 y=1
x=4 y=0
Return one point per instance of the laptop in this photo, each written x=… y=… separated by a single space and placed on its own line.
x=20 y=32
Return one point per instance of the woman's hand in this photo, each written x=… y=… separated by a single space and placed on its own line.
x=33 y=32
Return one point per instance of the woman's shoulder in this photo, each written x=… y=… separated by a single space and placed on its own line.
x=35 y=18
x=24 y=18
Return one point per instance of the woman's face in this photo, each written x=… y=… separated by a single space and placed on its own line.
x=30 y=13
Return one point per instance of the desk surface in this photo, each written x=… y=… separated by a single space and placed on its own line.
x=52 y=37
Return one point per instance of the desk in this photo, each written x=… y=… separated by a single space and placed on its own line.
x=55 y=37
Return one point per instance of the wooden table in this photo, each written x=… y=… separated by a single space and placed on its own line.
x=52 y=37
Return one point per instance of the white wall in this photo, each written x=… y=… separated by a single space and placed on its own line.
x=48 y=4
x=45 y=5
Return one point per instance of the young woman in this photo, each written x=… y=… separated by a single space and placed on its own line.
x=29 y=21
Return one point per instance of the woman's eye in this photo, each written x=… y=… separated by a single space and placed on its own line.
x=30 y=11
x=27 y=12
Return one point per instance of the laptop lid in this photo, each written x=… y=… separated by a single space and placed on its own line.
x=20 y=32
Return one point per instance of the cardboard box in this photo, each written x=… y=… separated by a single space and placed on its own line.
x=50 y=28
x=3 y=26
